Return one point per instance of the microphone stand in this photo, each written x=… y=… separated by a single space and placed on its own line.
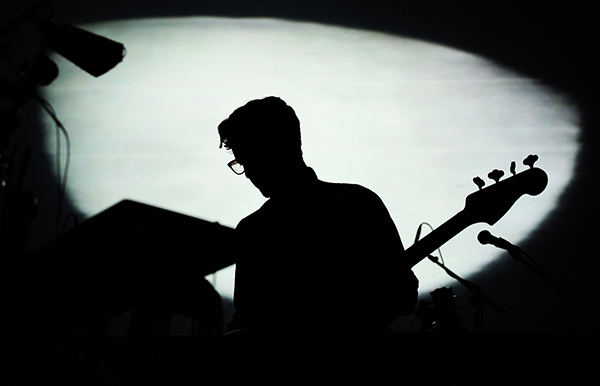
x=476 y=301
x=519 y=254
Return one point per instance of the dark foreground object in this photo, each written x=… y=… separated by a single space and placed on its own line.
x=423 y=358
x=57 y=304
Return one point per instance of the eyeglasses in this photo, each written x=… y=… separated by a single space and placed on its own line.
x=236 y=167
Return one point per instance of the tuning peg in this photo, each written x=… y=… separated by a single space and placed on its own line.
x=479 y=182
x=513 y=168
x=530 y=160
x=495 y=175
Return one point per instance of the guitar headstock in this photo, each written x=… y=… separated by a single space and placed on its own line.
x=489 y=204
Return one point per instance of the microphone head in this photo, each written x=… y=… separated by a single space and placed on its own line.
x=484 y=237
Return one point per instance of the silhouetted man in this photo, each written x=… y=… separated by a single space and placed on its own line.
x=317 y=257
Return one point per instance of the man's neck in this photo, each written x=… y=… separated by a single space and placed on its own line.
x=296 y=182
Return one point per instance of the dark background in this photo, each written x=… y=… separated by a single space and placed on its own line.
x=556 y=43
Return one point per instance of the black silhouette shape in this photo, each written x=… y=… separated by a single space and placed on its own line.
x=530 y=160
x=495 y=175
x=479 y=182
x=316 y=256
x=318 y=259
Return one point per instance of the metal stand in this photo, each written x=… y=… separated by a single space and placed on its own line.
x=477 y=300
x=527 y=261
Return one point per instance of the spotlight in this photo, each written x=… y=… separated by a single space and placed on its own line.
x=93 y=53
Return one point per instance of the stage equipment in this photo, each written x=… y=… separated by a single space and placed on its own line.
x=582 y=312
x=478 y=297
x=132 y=256
x=92 y=53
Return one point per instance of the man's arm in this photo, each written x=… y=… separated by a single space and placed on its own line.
x=398 y=284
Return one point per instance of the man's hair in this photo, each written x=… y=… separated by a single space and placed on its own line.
x=268 y=122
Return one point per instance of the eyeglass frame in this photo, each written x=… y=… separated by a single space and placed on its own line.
x=235 y=162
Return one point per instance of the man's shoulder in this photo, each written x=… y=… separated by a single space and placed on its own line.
x=352 y=196
x=351 y=191
x=253 y=217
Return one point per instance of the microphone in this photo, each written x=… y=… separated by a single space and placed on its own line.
x=485 y=237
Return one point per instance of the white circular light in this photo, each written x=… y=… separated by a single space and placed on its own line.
x=411 y=120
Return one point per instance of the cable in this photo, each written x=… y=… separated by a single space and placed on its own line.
x=61 y=176
x=75 y=222
x=418 y=235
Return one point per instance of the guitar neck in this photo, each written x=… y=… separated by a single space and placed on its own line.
x=486 y=205
x=438 y=237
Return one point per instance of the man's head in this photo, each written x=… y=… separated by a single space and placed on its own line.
x=267 y=122
x=264 y=136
